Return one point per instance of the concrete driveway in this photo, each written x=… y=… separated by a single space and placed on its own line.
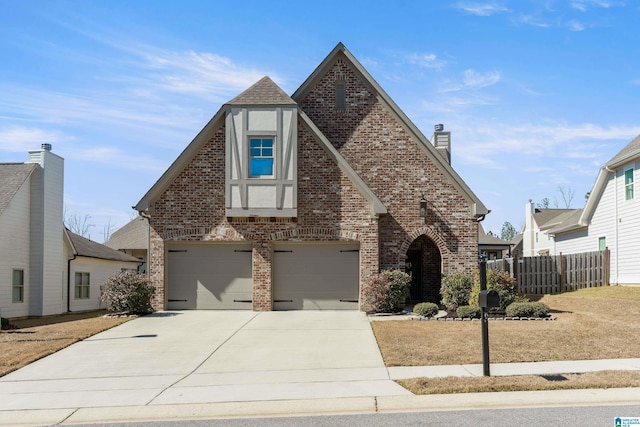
x=206 y=357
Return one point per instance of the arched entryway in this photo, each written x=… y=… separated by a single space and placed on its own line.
x=424 y=263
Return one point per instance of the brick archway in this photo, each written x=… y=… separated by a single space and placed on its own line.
x=422 y=231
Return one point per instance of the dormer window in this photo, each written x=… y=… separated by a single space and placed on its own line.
x=261 y=157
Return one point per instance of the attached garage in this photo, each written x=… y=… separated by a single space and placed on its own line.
x=209 y=276
x=316 y=276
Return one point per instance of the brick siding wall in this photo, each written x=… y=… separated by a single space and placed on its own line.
x=384 y=155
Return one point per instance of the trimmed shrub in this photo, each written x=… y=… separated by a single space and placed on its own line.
x=499 y=281
x=527 y=309
x=467 y=311
x=386 y=290
x=455 y=290
x=426 y=309
x=4 y=323
x=128 y=292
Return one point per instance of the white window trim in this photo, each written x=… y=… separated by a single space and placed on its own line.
x=261 y=135
x=633 y=179
x=13 y=286
x=78 y=295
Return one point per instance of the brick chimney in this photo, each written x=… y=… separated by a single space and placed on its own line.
x=442 y=141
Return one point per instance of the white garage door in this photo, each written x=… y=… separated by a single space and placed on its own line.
x=316 y=276
x=209 y=276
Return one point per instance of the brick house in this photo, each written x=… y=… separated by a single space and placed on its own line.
x=293 y=202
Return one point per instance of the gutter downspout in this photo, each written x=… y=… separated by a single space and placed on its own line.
x=146 y=216
x=69 y=282
x=615 y=197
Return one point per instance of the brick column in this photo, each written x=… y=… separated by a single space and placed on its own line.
x=262 y=283
x=156 y=268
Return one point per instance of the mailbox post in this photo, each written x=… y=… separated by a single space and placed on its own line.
x=486 y=299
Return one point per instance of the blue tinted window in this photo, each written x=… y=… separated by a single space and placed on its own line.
x=260 y=157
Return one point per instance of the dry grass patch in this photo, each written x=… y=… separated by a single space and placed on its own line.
x=599 y=323
x=604 y=379
x=40 y=337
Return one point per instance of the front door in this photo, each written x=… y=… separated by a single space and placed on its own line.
x=414 y=258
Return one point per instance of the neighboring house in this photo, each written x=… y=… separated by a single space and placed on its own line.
x=536 y=239
x=132 y=239
x=294 y=202
x=610 y=218
x=492 y=247
x=89 y=265
x=516 y=246
x=35 y=248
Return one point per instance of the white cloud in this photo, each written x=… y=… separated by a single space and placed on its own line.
x=575 y=25
x=481 y=9
x=116 y=157
x=533 y=21
x=427 y=60
x=472 y=79
x=584 y=5
x=19 y=139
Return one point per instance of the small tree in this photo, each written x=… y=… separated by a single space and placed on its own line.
x=386 y=290
x=508 y=231
x=128 y=292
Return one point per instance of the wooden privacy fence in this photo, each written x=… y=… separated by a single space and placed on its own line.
x=557 y=273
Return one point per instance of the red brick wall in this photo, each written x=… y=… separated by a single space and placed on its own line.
x=383 y=154
x=329 y=208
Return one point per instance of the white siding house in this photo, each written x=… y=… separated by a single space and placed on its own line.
x=611 y=217
x=536 y=239
x=36 y=252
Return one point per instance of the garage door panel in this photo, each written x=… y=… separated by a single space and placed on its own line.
x=209 y=276
x=316 y=276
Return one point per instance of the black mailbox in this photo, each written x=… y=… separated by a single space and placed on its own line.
x=488 y=299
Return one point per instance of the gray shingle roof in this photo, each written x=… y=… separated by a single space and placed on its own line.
x=485 y=239
x=547 y=218
x=264 y=92
x=12 y=176
x=631 y=150
x=569 y=221
x=87 y=248
x=131 y=236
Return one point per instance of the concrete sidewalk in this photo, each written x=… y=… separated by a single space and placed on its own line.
x=184 y=365
x=512 y=369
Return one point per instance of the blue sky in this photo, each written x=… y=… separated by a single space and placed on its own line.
x=537 y=94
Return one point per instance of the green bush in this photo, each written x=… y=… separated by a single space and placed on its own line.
x=467 y=311
x=385 y=291
x=499 y=281
x=426 y=309
x=527 y=309
x=4 y=323
x=128 y=292
x=455 y=290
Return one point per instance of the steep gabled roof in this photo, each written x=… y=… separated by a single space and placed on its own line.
x=477 y=207
x=90 y=249
x=133 y=235
x=12 y=176
x=263 y=92
x=629 y=152
x=258 y=92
